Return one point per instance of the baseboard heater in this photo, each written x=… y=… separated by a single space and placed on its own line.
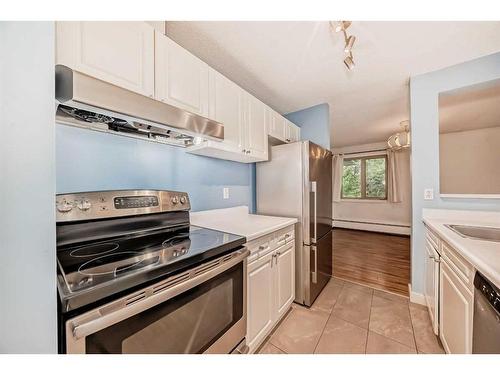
x=373 y=227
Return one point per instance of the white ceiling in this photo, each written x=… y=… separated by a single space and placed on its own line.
x=295 y=65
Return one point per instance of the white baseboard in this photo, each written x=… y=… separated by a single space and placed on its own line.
x=372 y=227
x=416 y=297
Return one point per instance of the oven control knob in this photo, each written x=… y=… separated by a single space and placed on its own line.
x=183 y=199
x=84 y=205
x=175 y=200
x=64 y=206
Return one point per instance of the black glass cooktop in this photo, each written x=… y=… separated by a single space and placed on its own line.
x=91 y=271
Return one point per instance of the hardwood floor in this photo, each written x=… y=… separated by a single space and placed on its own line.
x=379 y=260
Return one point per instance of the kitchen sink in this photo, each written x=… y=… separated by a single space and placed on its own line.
x=477 y=233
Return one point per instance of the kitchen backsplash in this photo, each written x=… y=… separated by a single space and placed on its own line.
x=89 y=160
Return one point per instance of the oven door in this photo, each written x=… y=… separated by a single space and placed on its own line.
x=202 y=310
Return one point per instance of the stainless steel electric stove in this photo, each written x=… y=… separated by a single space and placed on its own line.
x=135 y=277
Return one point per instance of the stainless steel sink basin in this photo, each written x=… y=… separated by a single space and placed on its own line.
x=478 y=233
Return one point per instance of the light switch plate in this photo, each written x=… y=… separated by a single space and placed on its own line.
x=429 y=194
x=225 y=193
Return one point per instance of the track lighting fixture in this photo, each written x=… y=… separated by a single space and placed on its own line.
x=338 y=26
x=349 y=44
x=349 y=40
x=349 y=62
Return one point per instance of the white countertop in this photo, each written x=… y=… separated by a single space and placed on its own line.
x=237 y=220
x=483 y=255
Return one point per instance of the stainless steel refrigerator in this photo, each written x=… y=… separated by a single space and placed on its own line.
x=297 y=182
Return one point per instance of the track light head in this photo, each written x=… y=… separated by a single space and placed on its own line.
x=349 y=43
x=349 y=62
x=338 y=26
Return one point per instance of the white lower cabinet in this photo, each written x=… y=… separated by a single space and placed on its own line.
x=431 y=284
x=456 y=309
x=285 y=278
x=260 y=310
x=270 y=282
x=449 y=294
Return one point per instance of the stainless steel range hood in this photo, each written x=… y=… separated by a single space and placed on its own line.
x=88 y=102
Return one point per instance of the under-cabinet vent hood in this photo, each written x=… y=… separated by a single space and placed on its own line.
x=94 y=104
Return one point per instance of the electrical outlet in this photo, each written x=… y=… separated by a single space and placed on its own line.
x=429 y=194
x=225 y=193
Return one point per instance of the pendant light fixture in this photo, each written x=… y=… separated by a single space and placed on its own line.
x=349 y=40
x=400 y=140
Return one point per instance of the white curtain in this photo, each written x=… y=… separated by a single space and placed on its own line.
x=394 y=192
x=338 y=165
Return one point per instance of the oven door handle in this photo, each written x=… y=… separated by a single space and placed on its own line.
x=117 y=311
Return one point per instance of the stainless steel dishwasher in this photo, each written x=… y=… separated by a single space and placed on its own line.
x=486 y=331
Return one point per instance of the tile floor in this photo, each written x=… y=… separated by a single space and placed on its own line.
x=351 y=318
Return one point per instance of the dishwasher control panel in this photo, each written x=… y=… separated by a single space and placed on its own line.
x=489 y=291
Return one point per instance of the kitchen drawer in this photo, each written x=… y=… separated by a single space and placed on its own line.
x=284 y=236
x=463 y=269
x=433 y=238
x=259 y=247
x=270 y=242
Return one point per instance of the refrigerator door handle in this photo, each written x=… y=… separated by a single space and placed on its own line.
x=314 y=273
x=314 y=190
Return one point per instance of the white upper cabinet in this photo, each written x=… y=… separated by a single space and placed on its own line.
x=281 y=129
x=226 y=107
x=121 y=53
x=244 y=119
x=277 y=125
x=293 y=132
x=134 y=56
x=181 y=79
x=255 y=142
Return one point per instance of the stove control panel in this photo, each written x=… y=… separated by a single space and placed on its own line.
x=140 y=201
x=108 y=204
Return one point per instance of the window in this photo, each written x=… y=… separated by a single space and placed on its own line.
x=365 y=178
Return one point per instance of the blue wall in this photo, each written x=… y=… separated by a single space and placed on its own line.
x=89 y=160
x=28 y=295
x=424 y=90
x=314 y=124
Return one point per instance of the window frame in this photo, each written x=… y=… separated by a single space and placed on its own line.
x=363 y=196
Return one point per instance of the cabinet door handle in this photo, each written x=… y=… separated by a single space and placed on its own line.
x=262 y=247
x=437 y=260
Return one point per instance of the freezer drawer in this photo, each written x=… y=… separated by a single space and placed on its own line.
x=320 y=267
